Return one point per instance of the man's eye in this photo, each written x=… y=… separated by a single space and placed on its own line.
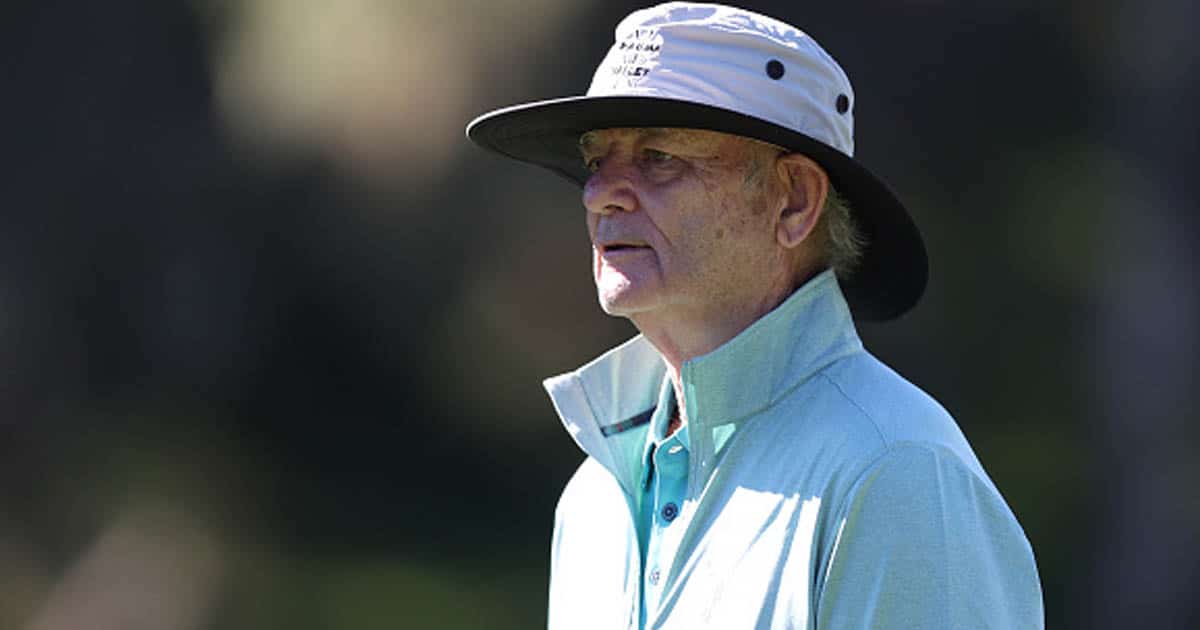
x=654 y=155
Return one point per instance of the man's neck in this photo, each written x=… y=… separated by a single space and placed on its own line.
x=678 y=417
x=680 y=335
x=679 y=342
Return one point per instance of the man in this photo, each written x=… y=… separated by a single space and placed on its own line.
x=749 y=464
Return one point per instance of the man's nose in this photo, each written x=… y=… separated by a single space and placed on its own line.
x=610 y=189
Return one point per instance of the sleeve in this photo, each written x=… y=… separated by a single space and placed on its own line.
x=926 y=542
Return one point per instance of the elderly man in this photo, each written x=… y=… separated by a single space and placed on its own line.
x=749 y=464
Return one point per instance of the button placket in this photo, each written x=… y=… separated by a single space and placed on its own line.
x=670 y=473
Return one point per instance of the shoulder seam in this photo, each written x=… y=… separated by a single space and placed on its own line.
x=875 y=425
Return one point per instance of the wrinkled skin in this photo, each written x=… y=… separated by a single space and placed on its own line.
x=683 y=226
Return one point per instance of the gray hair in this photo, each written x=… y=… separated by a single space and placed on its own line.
x=844 y=242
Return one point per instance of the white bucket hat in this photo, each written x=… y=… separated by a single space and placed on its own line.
x=707 y=66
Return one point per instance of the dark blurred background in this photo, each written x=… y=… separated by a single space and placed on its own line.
x=272 y=331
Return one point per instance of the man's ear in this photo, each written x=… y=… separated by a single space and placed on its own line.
x=806 y=186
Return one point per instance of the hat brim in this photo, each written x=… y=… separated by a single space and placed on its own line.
x=894 y=269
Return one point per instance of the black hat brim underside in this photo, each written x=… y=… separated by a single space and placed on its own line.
x=892 y=274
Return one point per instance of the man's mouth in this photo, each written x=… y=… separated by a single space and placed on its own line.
x=620 y=247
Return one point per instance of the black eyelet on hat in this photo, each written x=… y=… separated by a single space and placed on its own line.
x=843 y=103
x=775 y=69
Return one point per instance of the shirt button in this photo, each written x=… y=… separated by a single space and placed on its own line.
x=654 y=575
x=670 y=511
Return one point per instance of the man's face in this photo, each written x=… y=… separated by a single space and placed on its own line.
x=682 y=222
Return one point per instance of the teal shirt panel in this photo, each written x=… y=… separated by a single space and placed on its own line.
x=665 y=488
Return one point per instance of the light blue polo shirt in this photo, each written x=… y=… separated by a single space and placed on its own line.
x=822 y=491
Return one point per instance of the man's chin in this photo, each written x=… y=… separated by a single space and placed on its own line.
x=622 y=304
x=615 y=309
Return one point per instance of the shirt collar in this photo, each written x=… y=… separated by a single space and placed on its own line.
x=607 y=404
x=752 y=371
